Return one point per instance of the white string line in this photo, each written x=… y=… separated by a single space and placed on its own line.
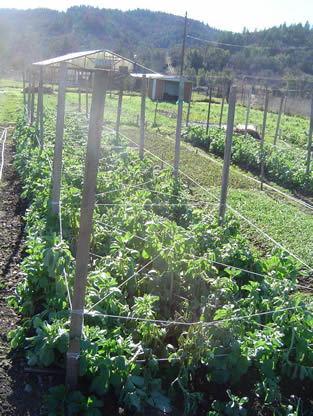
x=125 y=187
x=126 y=281
x=202 y=323
x=138 y=204
x=209 y=261
x=178 y=196
x=122 y=231
x=229 y=207
x=245 y=271
x=3 y=138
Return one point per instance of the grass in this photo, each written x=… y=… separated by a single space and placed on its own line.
x=11 y=99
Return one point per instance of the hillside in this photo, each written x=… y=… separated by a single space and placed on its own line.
x=155 y=37
x=29 y=35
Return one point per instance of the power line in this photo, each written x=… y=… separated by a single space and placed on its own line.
x=248 y=46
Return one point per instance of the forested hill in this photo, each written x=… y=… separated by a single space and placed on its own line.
x=284 y=51
x=29 y=35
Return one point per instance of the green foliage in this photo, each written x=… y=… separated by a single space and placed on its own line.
x=284 y=167
x=63 y=402
x=154 y=259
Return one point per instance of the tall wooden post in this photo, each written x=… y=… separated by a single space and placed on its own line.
x=142 y=115
x=248 y=111
x=32 y=107
x=29 y=94
x=87 y=208
x=222 y=109
x=58 y=146
x=119 y=109
x=40 y=106
x=308 y=161
x=278 y=119
x=263 y=136
x=87 y=104
x=188 y=114
x=155 y=114
x=79 y=94
x=24 y=92
x=209 y=111
x=178 y=125
x=227 y=153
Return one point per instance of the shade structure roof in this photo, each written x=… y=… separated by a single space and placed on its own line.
x=95 y=59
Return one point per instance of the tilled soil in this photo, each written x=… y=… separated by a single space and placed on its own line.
x=20 y=392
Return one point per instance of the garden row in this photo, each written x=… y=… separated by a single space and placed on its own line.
x=285 y=167
x=176 y=307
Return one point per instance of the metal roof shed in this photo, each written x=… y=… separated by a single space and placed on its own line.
x=95 y=59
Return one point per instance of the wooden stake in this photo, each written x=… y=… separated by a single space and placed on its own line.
x=209 y=111
x=155 y=113
x=142 y=115
x=40 y=105
x=278 y=120
x=119 y=109
x=248 y=111
x=24 y=92
x=79 y=95
x=222 y=109
x=308 y=161
x=263 y=136
x=58 y=146
x=178 y=125
x=29 y=94
x=87 y=104
x=87 y=208
x=188 y=114
x=227 y=153
x=32 y=107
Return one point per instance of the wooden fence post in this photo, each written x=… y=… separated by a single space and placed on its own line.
x=40 y=105
x=87 y=208
x=227 y=152
x=155 y=114
x=222 y=109
x=209 y=111
x=58 y=146
x=119 y=109
x=87 y=104
x=188 y=114
x=142 y=115
x=263 y=136
x=178 y=125
x=308 y=161
x=279 y=117
x=24 y=93
x=32 y=107
x=29 y=94
x=248 y=111
x=79 y=94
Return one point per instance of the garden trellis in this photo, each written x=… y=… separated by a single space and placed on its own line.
x=83 y=259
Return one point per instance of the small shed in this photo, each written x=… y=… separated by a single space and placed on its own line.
x=166 y=87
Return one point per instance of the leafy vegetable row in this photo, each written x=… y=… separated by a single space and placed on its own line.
x=287 y=168
x=154 y=257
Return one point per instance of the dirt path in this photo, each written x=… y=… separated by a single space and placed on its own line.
x=20 y=393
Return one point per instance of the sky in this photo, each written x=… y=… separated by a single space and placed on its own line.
x=231 y=15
